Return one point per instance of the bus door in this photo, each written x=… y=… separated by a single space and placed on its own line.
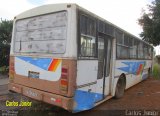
x=104 y=58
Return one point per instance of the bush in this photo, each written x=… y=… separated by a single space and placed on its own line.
x=156 y=71
x=5 y=39
x=4 y=70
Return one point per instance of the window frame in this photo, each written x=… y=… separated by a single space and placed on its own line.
x=79 y=14
x=44 y=53
x=91 y=48
x=135 y=42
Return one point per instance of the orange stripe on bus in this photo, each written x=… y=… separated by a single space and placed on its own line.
x=140 y=68
x=56 y=65
x=53 y=66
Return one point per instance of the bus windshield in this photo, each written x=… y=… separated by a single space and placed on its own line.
x=41 y=34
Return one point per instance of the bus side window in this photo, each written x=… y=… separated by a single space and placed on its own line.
x=87 y=46
x=119 y=42
x=134 y=52
x=140 y=50
x=146 y=54
x=150 y=53
x=83 y=51
x=87 y=36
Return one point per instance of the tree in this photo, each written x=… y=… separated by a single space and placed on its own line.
x=5 y=40
x=150 y=23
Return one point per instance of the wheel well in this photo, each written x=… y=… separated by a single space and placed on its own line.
x=120 y=86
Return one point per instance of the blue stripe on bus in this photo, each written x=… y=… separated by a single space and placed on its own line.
x=131 y=67
x=39 y=62
x=85 y=100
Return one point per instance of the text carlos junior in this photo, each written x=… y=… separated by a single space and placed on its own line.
x=16 y=103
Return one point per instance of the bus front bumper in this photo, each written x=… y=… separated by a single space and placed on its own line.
x=53 y=99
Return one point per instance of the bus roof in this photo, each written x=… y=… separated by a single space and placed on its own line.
x=44 y=9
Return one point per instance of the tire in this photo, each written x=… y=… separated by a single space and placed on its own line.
x=120 y=88
x=149 y=73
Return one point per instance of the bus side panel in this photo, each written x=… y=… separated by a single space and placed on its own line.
x=85 y=94
x=144 y=72
x=135 y=71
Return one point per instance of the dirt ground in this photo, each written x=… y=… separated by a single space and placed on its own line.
x=142 y=99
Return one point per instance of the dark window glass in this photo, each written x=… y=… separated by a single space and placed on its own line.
x=119 y=37
x=135 y=44
x=124 y=52
x=146 y=51
x=87 y=46
x=87 y=26
x=126 y=40
x=105 y=28
x=150 y=52
x=87 y=36
x=109 y=50
x=101 y=26
x=131 y=46
x=140 y=50
x=100 y=57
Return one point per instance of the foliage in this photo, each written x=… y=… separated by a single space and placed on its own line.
x=4 y=70
x=5 y=40
x=150 y=23
x=156 y=71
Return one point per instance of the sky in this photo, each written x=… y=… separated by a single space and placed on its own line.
x=123 y=13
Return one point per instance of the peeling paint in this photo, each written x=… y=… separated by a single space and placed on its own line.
x=45 y=33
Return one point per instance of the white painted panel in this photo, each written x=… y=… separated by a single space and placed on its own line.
x=131 y=79
x=91 y=88
x=119 y=64
x=99 y=86
x=23 y=67
x=86 y=71
x=107 y=84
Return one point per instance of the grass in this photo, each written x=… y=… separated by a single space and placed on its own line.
x=4 y=70
x=156 y=71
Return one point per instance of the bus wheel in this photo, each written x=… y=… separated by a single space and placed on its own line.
x=121 y=84
x=149 y=73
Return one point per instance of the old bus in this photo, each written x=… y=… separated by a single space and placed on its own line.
x=64 y=55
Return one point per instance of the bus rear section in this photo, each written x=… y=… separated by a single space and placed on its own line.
x=40 y=63
x=53 y=85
